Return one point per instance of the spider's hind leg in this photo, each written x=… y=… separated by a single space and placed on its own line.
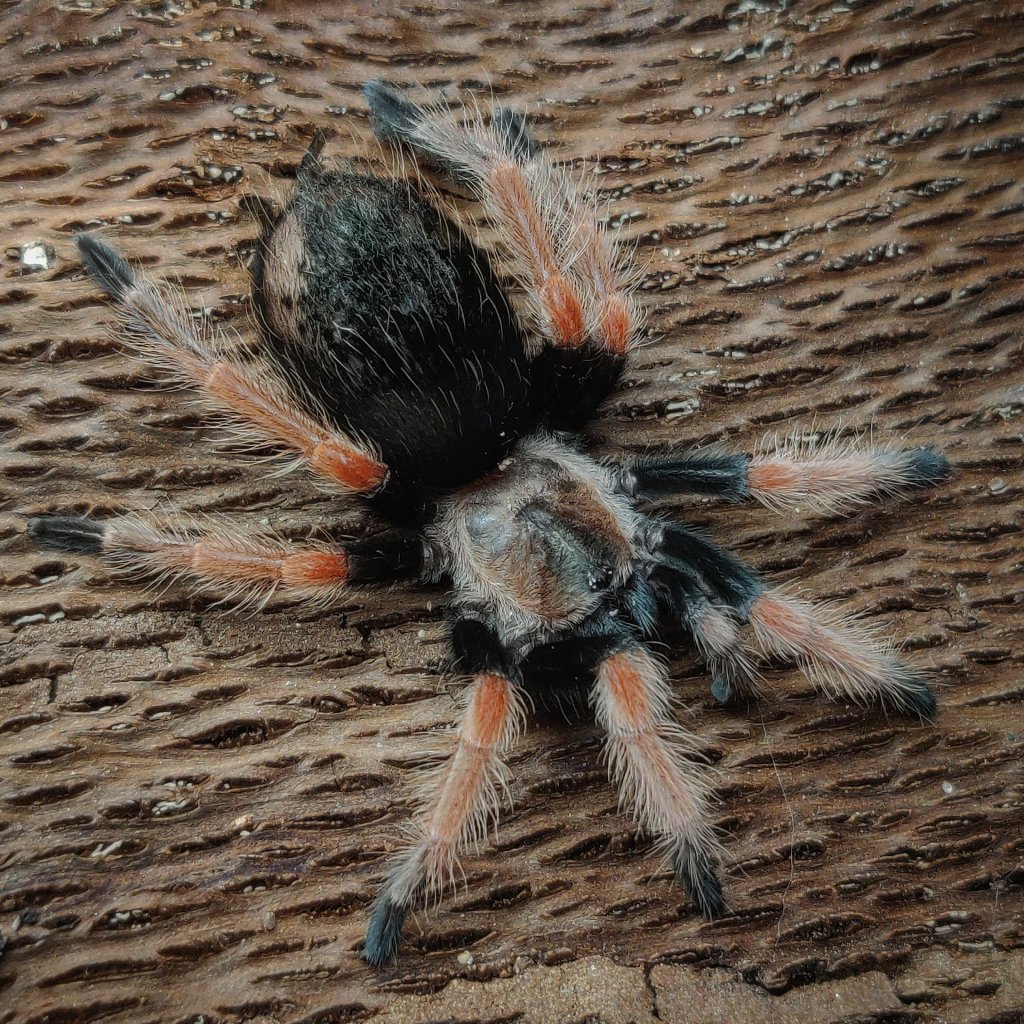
x=576 y=283
x=257 y=402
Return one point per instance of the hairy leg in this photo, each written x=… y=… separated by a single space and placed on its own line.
x=575 y=280
x=831 y=478
x=463 y=797
x=258 y=404
x=842 y=657
x=248 y=567
x=650 y=757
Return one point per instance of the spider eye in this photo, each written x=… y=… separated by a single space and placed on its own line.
x=599 y=578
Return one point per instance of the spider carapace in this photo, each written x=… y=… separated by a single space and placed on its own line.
x=394 y=367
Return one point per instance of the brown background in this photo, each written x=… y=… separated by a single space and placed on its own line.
x=195 y=807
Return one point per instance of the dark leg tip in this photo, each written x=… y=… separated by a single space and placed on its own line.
x=721 y=690
x=311 y=162
x=511 y=126
x=916 y=697
x=105 y=266
x=927 y=467
x=384 y=932
x=696 y=873
x=392 y=116
x=74 y=534
x=708 y=896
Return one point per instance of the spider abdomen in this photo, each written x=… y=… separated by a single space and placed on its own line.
x=384 y=315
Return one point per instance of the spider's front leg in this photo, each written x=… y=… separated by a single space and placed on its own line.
x=652 y=758
x=463 y=798
x=654 y=761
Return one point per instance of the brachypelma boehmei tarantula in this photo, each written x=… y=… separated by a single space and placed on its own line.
x=396 y=369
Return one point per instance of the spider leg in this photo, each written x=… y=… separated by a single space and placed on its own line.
x=250 y=567
x=646 y=749
x=576 y=285
x=683 y=596
x=833 y=478
x=844 y=659
x=650 y=758
x=463 y=798
x=259 y=404
x=568 y=266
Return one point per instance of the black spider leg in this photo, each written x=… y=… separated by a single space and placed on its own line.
x=463 y=797
x=842 y=658
x=571 y=383
x=716 y=474
x=568 y=381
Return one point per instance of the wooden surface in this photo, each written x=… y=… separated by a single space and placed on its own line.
x=195 y=807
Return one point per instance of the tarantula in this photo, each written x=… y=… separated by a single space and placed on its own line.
x=395 y=368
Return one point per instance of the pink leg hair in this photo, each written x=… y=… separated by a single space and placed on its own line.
x=842 y=658
x=647 y=757
x=258 y=404
x=575 y=280
x=463 y=798
x=248 y=568
x=837 y=475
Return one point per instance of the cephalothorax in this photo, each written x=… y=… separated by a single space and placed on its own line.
x=395 y=368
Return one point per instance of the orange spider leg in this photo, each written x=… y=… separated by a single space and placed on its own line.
x=648 y=758
x=258 y=403
x=841 y=657
x=838 y=475
x=249 y=567
x=832 y=477
x=572 y=275
x=460 y=803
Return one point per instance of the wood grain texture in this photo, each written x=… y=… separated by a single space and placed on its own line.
x=825 y=200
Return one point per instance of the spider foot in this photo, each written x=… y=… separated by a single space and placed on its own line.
x=107 y=268
x=696 y=873
x=75 y=534
x=384 y=932
x=926 y=467
x=914 y=696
